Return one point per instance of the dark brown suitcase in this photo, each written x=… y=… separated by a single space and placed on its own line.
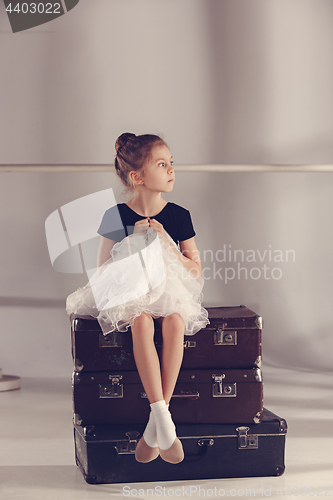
x=231 y=340
x=105 y=454
x=92 y=351
x=200 y=396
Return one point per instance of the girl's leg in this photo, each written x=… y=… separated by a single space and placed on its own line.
x=148 y=366
x=172 y=352
x=149 y=369
x=146 y=357
x=170 y=446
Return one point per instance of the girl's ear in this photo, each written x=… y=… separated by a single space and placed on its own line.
x=136 y=178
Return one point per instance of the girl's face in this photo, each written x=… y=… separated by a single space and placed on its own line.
x=159 y=174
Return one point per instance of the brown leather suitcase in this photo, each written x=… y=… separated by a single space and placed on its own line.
x=231 y=340
x=92 y=351
x=200 y=396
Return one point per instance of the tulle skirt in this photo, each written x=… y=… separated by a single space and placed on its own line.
x=142 y=275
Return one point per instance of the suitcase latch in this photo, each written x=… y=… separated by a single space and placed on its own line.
x=189 y=343
x=225 y=337
x=221 y=390
x=113 y=390
x=128 y=447
x=246 y=441
x=114 y=339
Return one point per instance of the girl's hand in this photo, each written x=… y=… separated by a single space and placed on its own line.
x=159 y=229
x=141 y=225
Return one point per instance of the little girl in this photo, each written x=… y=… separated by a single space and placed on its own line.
x=145 y=165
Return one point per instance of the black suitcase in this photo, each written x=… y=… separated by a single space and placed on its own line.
x=231 y=340
x=105 y=454
x=200 y=396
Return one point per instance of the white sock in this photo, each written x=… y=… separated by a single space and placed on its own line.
x=165 y=428
x=150 y=435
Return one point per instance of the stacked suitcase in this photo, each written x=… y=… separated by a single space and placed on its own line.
x=217 y=404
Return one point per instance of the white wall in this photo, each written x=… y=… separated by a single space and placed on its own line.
x=272 y=69
x=73 y=85
x=224 y=82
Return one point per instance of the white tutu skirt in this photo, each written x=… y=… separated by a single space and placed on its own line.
x=142 y=275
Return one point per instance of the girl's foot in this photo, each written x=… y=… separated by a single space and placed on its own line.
x=174 y=454
x=144 y=453
x=147 y=449
x=171 y=449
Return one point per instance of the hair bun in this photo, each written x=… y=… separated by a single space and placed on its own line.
x=123 y=139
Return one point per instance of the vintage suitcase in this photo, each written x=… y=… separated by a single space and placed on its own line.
x=93 y=351
x=105 y=454
x=231 y=340
x=200 y=396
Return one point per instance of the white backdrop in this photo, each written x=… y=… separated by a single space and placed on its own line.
x=223 y=82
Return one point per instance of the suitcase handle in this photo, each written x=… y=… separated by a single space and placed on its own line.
x=178 y=395
x=204 y=444
x=186 y=395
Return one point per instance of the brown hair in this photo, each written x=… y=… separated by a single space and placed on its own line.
x=133 y=151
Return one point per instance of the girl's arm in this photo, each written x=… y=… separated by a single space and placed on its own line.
x=104 y=250
x=190 y=256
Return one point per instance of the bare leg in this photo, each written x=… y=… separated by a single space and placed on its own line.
x=146 y=357
x=148 y=366
x=172 y=352
x=172 y=355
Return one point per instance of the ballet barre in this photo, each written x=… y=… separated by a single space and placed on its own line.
x=178 y=168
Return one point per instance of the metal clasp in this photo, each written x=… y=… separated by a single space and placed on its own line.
x=128 y=447
x=113 y=390
x=189 y=343
x=246 y=441
x=221 y=390
x=257 y=374
x=259 y=322
x=258 y=362
x=113 y=339
x=225 y=337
